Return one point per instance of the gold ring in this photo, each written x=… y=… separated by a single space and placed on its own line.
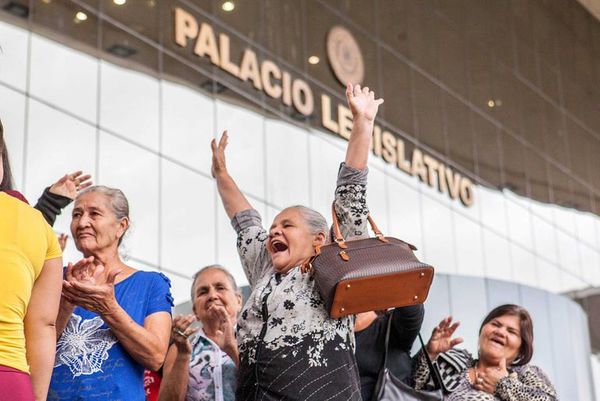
x=181 y=333
x=480 y=380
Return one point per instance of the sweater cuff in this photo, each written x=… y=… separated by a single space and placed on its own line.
x=351 y=176
x=51 y=205
x=246 y=218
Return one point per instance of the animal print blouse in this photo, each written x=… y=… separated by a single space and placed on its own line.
x=289 y=346
x=524 y=383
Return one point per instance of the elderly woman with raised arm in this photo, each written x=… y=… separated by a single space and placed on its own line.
x=289 y=346
x=114 y=320
x=203 y=367
x=501 y=371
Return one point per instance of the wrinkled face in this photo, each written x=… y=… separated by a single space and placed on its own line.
x=290 y=241
x=501 y=337
x=94 y=226
x=213 y=288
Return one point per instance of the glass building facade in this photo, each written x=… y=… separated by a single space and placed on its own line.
x=503 y=93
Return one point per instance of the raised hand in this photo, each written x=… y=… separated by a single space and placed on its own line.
x=362 y=102
x=441 y=338
x=181 y=331
x=62 y=241
x=85 y=270
x=69 y=185
x=218 y=155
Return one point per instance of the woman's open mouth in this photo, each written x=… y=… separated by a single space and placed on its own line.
x=278 y=246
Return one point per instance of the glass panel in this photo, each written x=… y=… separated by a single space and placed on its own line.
x=437 y=307
x=188 y=219
x=430 y=128
x=469 y=305
x=397 y=92
x=544 y=239
x=524 y=269
x=590 y=264
x=496 y=255
x=13 y=57
x=405 y=214
x=377 y=198
x=549 y=275
x=469 y=246
x=245 y=151
x=139 y=183
x=326 y=154
x=64 y=21
x=141 y=16
x=519 y=224
x=187 y=125
x=501 y=292
x=536 y=303
x=438 y=244
x=585 y=223
x=493 y=209
x=64 y=77
x=51 y=136
x=129 y=104
x=459 y=133
x=567 y=253
x=12 y=114
x=287 y=180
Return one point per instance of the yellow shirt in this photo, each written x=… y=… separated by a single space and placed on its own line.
x=26 y=242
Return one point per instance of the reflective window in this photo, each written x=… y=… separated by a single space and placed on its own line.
x=129 y=104
x=59 y=143
x=523 y=262
x=287 y=171
x=64 y=77
x=405 y=214
x=325 y=159
x=245 y=152
x=139 y=183
x=188 y=125
x=13 y=57
x=438 y=239
x=12 y=114
x=469 y=246
x=519 y=223
x=187 y=232
x=496 y=256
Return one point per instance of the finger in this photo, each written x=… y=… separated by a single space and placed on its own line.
x=356 y=90
x=213 y=146
x=378 y=102
x=453 y=327
x=456 y=341
x=503 y=363
x=76 y=174
x=84 y=185
x=223 y=141
x=372 y=95
x=365 y=90
x=69 y=271
x=63 y=179
x=349 y=92
x=84 y=178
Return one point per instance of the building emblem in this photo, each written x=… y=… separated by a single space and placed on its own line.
x=344 y=56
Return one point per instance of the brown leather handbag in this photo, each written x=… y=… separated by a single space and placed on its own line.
x=369 y=274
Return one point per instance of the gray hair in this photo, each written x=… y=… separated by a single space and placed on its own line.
x=315 y=220
x=214 y=267
x=118 y=201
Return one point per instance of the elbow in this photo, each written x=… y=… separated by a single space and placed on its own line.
x=156 y=361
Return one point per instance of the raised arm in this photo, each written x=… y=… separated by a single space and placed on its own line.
x=40 y=334
x=231 y=196
x=350 y=194
x=58 y=196
x=364 y=108
x=245 y=220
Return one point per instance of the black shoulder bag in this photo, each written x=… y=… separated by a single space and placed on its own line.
x=390 y=388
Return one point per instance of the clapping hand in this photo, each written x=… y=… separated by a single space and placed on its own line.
x=89 y=286
x=69 y=185
x=224 y=337
x=218 y=155
x=441 y=338
x=180 y=331
x=362 y=102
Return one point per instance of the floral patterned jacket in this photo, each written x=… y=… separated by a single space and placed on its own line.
x=289 y=346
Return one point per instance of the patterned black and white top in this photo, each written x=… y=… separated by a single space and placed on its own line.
x=524 y=383
x=289 y=346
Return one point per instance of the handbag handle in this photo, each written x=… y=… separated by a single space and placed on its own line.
x=435 y=374
x=339 y=238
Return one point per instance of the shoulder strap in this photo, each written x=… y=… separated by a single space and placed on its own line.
x=435 y=374
x=387 y=339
